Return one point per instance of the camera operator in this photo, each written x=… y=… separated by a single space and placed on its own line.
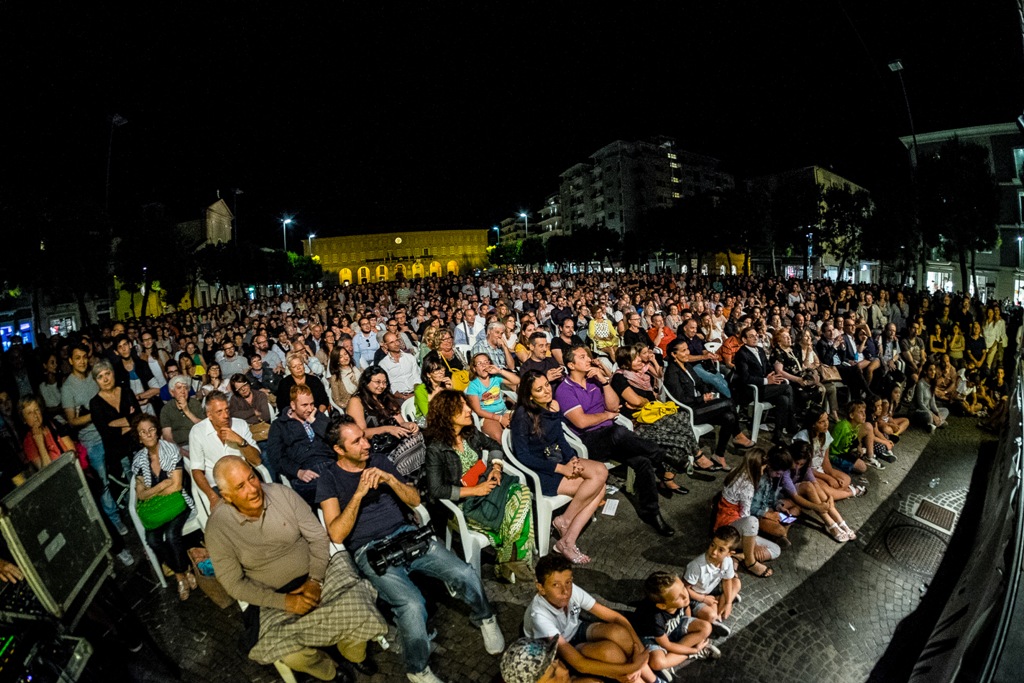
x=364 y=501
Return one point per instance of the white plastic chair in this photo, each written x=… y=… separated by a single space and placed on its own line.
x=712 y=346
x=467 y=352
x=409 y=409
x=699 y=430
x=473 y=542
x=760 y=407
x=190 y=526
x=544 y=506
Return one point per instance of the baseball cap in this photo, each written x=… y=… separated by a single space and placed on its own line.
x=526 y=660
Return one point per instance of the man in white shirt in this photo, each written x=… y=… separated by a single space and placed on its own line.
x=286 y=305
x=401 y=367
x=213 y=438
x=468 y=331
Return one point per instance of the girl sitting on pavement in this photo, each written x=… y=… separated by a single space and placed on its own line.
x=734 y=510
x=798 y=484
x=883 y=445
x=837 y=483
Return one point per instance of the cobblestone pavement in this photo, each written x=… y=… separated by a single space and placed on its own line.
x=827 y=613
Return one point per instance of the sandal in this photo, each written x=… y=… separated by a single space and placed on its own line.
x=571 y=553
x=670 y=486
x=191 y=578
x=837 y=533
x=183 y=591
x=857 y=491
x=765 y=572
x=850 y=533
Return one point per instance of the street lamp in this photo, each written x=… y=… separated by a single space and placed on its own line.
x=896 y=66
x=284 y=232
x=522 y=214
x=311 y=236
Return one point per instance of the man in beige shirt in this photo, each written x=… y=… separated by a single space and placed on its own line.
x=269 y=550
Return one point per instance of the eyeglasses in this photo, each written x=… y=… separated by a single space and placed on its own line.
x=147 y=432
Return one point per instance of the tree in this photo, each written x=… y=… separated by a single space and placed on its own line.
x=844 y=217
x=959 y=200
x=532 y=251
x=795 y=213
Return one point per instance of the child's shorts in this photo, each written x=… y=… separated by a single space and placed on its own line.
x=675 y=636
x=696 y=606
x=841 y=464
x=581 y=634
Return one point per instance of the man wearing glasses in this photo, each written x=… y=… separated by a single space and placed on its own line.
x=233 y=363
x=365 y=343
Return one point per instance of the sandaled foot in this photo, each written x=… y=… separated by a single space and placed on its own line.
x=191 y=578
x=758 y=569
x=560 y=525
x=741 y=440
x=183 y=591
x=762 y=554
x=850 y=533
x=705 y=464
x=837 y=533
x=571 y=553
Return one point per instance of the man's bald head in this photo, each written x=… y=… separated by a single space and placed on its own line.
x=229 y=470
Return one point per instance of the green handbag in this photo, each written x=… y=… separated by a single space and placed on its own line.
x=156 y=511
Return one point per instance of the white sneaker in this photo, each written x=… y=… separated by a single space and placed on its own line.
x=425 y=676
x=119 y=525
x=126 y=557
x=494 y=642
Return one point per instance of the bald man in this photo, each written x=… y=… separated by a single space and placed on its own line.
x=270 y=551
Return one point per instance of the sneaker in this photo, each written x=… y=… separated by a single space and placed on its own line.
x=874 y=462
x=126 y=557
x=666 y=675
x=119 y=525
x=494 y=642
x=888 y=456
x=931 y=428
x=857 y=491
x=720 y=630
x=425 y=676
x=709 y=652
x=738 y=599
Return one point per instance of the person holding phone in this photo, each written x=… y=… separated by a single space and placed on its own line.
x=734 y=509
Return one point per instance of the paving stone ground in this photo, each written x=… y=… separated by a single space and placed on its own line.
x=827 y=614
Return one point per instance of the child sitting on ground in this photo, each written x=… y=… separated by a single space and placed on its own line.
x=666 y=627
x=793 y=466
x=711 y=580
x=883 y=445
x=535 y=660
x=891 y=425
x=853 y=443
x=610 y=648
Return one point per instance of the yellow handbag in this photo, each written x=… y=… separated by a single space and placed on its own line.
x=654 y=411
x=460 y=378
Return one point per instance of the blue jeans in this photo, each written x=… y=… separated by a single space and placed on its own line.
x=398 y=590
x=98 y=462
x=714 y=379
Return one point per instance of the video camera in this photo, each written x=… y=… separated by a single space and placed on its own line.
x=399 y=550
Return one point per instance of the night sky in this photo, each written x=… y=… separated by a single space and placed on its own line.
x=368 y=116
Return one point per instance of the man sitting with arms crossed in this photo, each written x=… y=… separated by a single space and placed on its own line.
x=364 y=501
x=270 y=551
x=296 y=444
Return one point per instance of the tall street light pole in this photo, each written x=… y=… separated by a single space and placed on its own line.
x=896 y=66
x=284 y=233
x=522 y=214
x=311 y=236
x=116 y=121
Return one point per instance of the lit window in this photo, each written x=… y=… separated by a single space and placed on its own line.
x=676 y=195
x=673 y=165
x=671 y=155
x=675 y=180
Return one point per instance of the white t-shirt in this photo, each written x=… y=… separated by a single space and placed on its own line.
x=820 y=452
x=543 y=619
x=703 y=576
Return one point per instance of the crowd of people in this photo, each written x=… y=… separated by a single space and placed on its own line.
x=363 y=403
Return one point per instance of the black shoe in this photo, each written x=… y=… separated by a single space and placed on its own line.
x=344 y=674
x=367 y=667
x=659 y=524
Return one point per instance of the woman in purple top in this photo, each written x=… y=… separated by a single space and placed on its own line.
x=792 y=466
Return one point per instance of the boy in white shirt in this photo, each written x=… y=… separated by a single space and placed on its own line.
x=711 y=580
x=609 y=648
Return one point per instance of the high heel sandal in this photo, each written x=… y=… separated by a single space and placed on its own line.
x=571 y=553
